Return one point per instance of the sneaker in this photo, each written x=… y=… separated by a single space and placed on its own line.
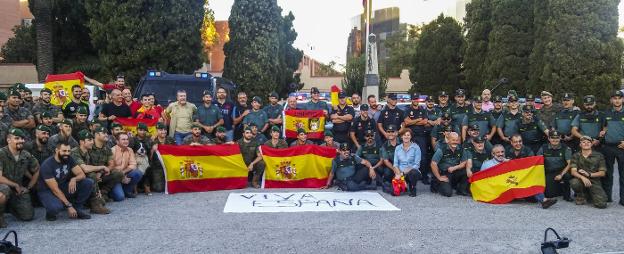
x=82 y=215
x=548 y=203
x=579 y=201
x=50 y=217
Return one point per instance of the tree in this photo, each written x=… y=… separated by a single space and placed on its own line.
x=355 y=71
x=537 y=59
x=42 y=11
x=21 y=47
x=510 y=42
x=401 y=49
x=477 y=29
x=252 y=54
x=134 y=36
x=289 y=58
x=437 y=62
x=209 y=34
x=583 y=53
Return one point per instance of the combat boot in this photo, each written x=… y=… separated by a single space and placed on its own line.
x=255 y=181
x=97 y=207
x=3 y=223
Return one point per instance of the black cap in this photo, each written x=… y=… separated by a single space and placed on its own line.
x=568 y=96
x=314 y=90
x=392 y=96
x=447 y=128
x=530 y=97
x=415 y=96
x=460 y=92
x=479 y=139
x=512 y=98
x=369 y=132
x=391 y=127
x=344 y=146
x=273 y=94
x=364 y=107
x=252 y=124
x=300 y=130
x=527 y=108
x=554 y=134
x=430 y=98
x=473 y=127
x=477 y=98
x=342 y=95
x=443 y=93
x=446 y=115
x=589 y=99
x=498 y=98
x=617 y=93
x=257 y=99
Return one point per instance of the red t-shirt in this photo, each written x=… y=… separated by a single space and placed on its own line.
x=109 y=87
x=134 y=106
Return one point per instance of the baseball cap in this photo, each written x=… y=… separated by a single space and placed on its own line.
x=430 y=98
x=342 y=95
x=617 y=93
x=473 y=127
x=392 y=96
x=391 y=127
x=554 y=134
x=527 y=108
x=568 y=96
x=344 y=146
x=460 y=92
x=415 y=96
x=442 y=93
x=369 y=133
x=364 y=107
x=273 y=94
x=530 y=97
x=479 y=139
x=589 y=99
x=314 y=90
x=257 y=99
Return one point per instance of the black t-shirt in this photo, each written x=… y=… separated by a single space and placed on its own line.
x=347 y=110
x=110 y=109
x=51 y=168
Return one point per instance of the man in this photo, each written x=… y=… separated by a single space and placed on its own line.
x=487 y=105
x=274 y=111
x=374 y=110
x=128 y=100
x=496 y=112
x=28 y=99
x=443 y=102
x=438 y=133
x=417 y=120
x=82 y=158
x=549 y=110
x=302 y=139
x=590 y=122
x=64 y=135
x=291 y=102
x=390 y=115
x=119 y=83
x=388 y=148
x=556 y=167
x=148 y=110
x=257 y=116
x=498 y=156
x=252 y=157
x=342 y=117
x=116 y=129
x=532 y=129
x=588 y=167
x=226 y=108
x=40 y=149
x=196 y=138
x=328 y=140
x=276 y=141
x=613 y=148
x=530 y=100
x=459 y=110
x=208 y=116
x=475 y=155
x=117 y=108
x=19 y=117
x=155 y=176
x=125 y=162
x=518 y=149
x=221 y=136
x=44 y=105
x=473 y=135
x=80 y=122
x=84 y=98
x=70 y=108
x=17 y=165
x=348 y=173
x=360 y=126
x=481 y=118
x=239 y=112
x=3 y=98
x=257 y=136
x=509 y=122
x=372 y=153
x=180 y=114
x=356 y=101
x=61 y=180
x=449 y=169
x=102 y=156
x=315 y=103
x=563 y=121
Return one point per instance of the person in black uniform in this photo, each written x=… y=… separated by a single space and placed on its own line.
x=390 y=115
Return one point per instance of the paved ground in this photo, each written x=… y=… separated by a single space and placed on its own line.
x=195 y=223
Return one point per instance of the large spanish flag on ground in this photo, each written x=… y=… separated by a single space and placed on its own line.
x=203 y=168
x=130 y=124
x=61 y=85
x=297 y=167
x=312 y=121
x=510 y=180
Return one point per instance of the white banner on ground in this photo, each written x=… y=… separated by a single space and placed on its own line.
x=306 y=202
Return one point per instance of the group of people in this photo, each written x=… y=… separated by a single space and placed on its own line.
x=75 y=156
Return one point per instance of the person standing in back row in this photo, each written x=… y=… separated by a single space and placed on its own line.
x=342 y=116
x=390 y=115
x=180 y=114
x=614 y=144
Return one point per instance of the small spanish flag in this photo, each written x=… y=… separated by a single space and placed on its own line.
x=297 y=167
x=61 y=84
x=130 y=124
x=203 y=168
x=312 y=121
x=510 y=180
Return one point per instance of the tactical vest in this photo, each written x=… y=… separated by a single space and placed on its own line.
x=510 y=121
x=390 y=150
x=371 y=153
x=449 y=158
x=478 y=159
x=530 y=132
x=590 y=124
x=554 y=159
x=563 y=121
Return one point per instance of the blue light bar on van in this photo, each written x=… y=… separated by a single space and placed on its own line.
x=201 y=75
x=154 y=73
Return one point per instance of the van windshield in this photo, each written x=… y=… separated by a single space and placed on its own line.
x=165 y=90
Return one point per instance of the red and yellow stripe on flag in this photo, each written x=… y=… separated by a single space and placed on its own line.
x=61 y=85
x=510 y=180
x=130 y=124
x=312 y=121
x=297 y=167
x=203 y=168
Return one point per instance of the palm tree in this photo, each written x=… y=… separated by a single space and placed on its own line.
x=42 y=10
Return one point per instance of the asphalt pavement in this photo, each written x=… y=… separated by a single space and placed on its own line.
x=428 y=223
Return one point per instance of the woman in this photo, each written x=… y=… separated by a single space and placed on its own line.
x=407 y=161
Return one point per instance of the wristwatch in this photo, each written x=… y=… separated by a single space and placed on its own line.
x=67 y=206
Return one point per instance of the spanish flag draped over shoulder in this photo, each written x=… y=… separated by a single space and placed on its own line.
x=61 y=85
x=509 y=180
x=130 y=124
x=312 y=121
x=203 y=168
x=297 y=167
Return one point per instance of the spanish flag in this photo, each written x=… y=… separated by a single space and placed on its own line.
x=297 y=167
x=61 y=85
x=510 y=180
x=312 y=121
x=203 y=168
x=130 y=124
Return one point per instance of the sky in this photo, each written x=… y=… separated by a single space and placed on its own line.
x=323 y=26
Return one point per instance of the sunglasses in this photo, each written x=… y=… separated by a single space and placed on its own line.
x=369 y=136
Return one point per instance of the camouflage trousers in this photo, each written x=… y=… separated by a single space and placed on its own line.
x=595 y=191
x=19 y=205
x=105 y=185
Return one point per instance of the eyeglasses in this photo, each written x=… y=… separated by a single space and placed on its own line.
x=369 y=136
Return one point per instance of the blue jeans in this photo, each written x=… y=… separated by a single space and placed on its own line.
x=229 y=135
x=179 y=137
x=540 y=197
x=53 y=205
x=118 y=193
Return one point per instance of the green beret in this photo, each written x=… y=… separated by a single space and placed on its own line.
x=329 y=133
x=100 y=129
x=300 y=130
x=17 y=132
x=220 y=129
x=115 y=125
x=84 y=134
x=247 y=128
x=82 y=110
x=161 y=126
x=46 y=90
x=3 y=96
x=275 y=129
x=67 y=121
x=142 y=126
x=257 y=99
x=196 y=125
x=14 y=92
x=46 y=114
x=42 y=127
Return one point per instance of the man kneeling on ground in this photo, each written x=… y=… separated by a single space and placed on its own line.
x=349 y=174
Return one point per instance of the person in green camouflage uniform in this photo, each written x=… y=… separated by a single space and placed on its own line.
x=549 y=110
x=101 y=155
x=80 y=122
x=221 y=136
x=15 y=166
x=39 y=148
x=588 y=167
x=155 y=176
x=65 y=135
x=82 y=158
x=47 y=120
x=44 y=105
x=251 y=156
x=19 y=117
x=196 y=138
